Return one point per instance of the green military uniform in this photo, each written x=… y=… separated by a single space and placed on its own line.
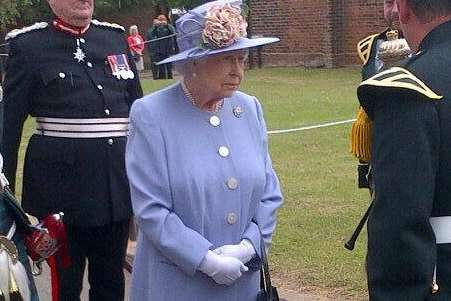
x=409 y=228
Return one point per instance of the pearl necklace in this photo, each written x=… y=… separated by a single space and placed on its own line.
x=215 y=109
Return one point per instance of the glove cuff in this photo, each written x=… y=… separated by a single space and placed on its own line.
x=248 y=248
x=209 y=263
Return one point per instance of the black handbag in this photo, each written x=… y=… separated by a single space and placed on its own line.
x=267 y=291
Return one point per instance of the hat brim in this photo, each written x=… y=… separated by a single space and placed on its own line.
x=242 y=43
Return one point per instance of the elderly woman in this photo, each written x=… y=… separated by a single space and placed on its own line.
x=203 y=188
x=136 y=45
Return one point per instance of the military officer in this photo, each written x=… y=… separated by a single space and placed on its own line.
x=368 y=50
x=409 y=228
x=77 y=78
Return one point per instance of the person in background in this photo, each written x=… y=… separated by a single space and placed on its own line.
x=204 y=192
x=136 y=45
x=164 y=45
x=409 y=237
x=152 y=49
x=369 y=52
x=76 y=76
x=2 y=70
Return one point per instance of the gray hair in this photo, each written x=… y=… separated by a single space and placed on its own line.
x=132 y=28
x=426 y=10
x=184 y=68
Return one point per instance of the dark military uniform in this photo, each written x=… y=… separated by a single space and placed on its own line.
x=367 y=50
x=74 y=162
x=409 y=228
x=152 y=53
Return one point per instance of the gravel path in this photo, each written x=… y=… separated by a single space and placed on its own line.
x=43 y=284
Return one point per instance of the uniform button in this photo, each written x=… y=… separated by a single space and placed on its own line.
x=223 y=151
x=232 y=183
x=82 y=40
x=215 y=121
x=110 y=141
x=89 y=64
x=232 y=218
x=62 y=75
x=100 y=87
x=107 y=112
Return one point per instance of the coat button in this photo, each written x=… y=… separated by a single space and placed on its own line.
x=89 y=64
x=62 y=75
x=232 y=183
x=232 y=218
x=107 y=112
x=215 y=121
x=100 y=87
x=223 y=151
x=110 y=141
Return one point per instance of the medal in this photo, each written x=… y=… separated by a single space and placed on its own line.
x=79 y=55
x=131 y=75
x=123 y=73
x=120 y=67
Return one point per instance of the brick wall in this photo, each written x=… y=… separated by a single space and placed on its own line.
x=315 y=33
x=139 y=17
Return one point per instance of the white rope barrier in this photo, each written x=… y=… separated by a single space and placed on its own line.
x=311 y=127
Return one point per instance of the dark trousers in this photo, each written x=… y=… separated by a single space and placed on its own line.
x=104 y=249
x=153 y=67
x=165 y=71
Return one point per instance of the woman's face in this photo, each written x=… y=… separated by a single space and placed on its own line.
x=220 y=75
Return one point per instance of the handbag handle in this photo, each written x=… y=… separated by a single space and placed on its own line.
x=265 y=277
x=264 y=271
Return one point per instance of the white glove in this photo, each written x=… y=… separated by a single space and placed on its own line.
x=244 y=251
x=223 y=269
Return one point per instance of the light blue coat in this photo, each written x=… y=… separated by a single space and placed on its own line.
x=181 y=197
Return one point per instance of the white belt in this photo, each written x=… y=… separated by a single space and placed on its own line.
x=442 y=229
x=82 y=127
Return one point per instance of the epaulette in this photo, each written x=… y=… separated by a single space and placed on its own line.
x=397 y=77
x=109 y=25
x=364 y=47
x=16 y=32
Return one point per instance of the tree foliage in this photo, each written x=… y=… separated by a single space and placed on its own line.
x=10 y=10
x=188 y=4
x=21 y=12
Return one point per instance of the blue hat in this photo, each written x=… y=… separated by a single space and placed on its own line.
x=213 y=28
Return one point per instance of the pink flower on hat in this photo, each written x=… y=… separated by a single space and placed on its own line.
x=224 y=25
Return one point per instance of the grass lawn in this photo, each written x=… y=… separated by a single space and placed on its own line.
x=322 y=203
